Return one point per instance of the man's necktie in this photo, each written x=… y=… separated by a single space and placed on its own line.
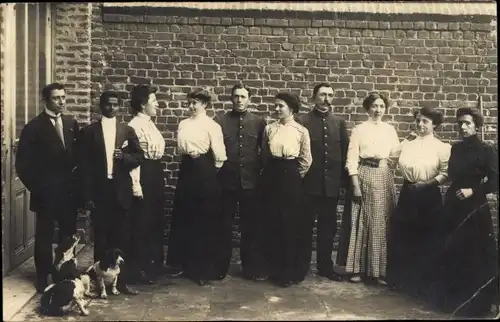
x=59 y=129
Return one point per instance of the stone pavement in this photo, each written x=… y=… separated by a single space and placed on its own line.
x=237 y=299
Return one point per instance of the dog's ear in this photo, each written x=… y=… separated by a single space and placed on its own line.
x=118 y=252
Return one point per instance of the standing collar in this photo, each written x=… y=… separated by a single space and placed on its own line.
x=320 y=113
x=108 y=120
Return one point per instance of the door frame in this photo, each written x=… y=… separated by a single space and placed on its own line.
x=9 y=112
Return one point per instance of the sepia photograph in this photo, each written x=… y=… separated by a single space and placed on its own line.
x=249 y=160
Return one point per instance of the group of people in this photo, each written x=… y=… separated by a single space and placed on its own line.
x=281 y=178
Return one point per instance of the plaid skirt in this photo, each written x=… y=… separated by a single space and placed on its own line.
x=367 y=252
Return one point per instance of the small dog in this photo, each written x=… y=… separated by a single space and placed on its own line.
x=65 y=262
x=105 y=272
x=58 y=299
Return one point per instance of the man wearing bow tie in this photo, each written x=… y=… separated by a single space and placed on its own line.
x=45 y=163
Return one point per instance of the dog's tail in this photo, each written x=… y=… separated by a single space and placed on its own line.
x=46 y=306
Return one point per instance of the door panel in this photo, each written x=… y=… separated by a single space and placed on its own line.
x=28 y=74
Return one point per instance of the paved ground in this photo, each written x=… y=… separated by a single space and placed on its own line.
x=236 y=299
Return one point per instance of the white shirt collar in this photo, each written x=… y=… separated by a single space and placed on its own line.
x=51 y=114
x=143 y=116
x=107 y=120
x=426 y=138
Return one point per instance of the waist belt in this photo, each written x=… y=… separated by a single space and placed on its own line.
x=373 y=162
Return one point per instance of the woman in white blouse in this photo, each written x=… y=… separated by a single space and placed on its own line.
x=197 y=205
x=148 y=185
x=374 y=195
x=287 y=158
x=423 y=161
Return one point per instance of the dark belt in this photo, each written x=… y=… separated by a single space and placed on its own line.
x=370 y=162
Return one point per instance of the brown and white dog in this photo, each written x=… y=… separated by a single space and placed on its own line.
x=60 y=298
x=65 y=262
x=106 y=271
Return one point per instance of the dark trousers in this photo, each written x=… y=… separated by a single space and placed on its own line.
x=112 y=228
x=65 y=216
x=326 y=210
x=251 y=232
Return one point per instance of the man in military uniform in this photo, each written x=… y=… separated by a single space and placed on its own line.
x=327 y=175
x=238 y=177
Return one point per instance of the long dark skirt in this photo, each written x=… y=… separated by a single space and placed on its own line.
x=412 y=239
x=287 y=240
x=467 y=280
x=149 y=216
x=197 y=210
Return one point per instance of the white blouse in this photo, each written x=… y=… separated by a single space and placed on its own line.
x=152 y=143
x=370 y=140
x=423 y=159
x=289 y=140
x=198 y=134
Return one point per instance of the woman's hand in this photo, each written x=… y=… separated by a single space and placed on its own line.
x=356 y=194
x=463 y=194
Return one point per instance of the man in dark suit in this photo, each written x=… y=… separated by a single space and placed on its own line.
x=45 y=163
x=109 y=150
x=238 y=177
x=322 y=183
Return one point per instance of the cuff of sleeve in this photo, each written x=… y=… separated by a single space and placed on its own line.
x=219 y=164
x=440 y=178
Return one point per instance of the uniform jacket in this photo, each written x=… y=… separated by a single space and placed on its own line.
x=242 y=138
x=329 y=142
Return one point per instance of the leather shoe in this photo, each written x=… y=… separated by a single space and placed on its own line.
x=126 y=289
x=173 y=272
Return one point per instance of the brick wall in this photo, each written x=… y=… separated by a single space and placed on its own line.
x=439 y=61
x=72 y=44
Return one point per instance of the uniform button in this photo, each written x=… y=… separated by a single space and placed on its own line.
x=241 y=146
x=241 y=165
x=241 y=126
x=324 y=128
x=241 y=135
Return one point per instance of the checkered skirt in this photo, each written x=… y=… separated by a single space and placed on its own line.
x=367 y=252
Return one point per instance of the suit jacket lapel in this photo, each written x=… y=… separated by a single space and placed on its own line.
x=101 y=147
x=120 y=133
x=53 y=137
x=68 y=134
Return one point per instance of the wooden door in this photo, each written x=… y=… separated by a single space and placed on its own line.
x=32 y=61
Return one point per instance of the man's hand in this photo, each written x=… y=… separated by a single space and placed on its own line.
x=194 y=155
x=118 y=154
x=417 y=186
x=463 y=194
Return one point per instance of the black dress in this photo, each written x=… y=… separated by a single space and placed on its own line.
x=469 y=263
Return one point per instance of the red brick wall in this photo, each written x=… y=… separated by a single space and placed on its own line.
x=72 y=44
x=419 y=60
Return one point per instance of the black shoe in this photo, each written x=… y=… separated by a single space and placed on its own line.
x=285 y=283
x=41 y=284
x=219 y=277
x=126 y=289
x=332 y=276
